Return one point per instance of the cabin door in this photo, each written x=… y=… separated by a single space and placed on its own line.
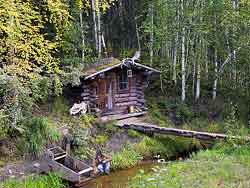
x=105 y=95
x=110 y=95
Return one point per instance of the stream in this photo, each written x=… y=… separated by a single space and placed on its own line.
x=120 y=179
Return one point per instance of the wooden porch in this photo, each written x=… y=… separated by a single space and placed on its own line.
x=113 y=117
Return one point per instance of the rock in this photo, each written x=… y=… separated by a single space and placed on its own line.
x=37 y=165
x=10 y=171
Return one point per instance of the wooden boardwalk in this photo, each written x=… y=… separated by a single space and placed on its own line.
x=139 y=125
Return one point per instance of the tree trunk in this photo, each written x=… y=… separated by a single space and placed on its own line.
x=183 y=67
x=137 y=35
x=104 y=46
x=194 y=69
x=216 y=72
x=99 y=30
x=175 y=58
x=83 y=37
x=206 y=63
x=94 y=21
x=151 y=13
x=198 y=80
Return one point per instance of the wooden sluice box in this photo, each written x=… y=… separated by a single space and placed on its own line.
x=68 y=168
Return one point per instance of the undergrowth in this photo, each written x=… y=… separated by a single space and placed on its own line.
x=49 y=181
x=165 y=146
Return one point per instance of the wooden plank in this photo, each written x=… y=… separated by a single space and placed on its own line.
x=60 y=157
x=126 y=103
x=86 y=170
x=123 y=116
x=176 y=132
x=125 y=99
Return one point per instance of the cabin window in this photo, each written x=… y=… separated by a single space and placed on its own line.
x=123 y=80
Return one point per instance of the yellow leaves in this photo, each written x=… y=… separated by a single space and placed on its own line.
x=59 y=15
x=23 y=46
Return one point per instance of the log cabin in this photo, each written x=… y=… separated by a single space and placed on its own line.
x=112 y=87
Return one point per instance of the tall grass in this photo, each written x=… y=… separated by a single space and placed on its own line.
x=127 y=158
x=225 y=167
x=49 y=181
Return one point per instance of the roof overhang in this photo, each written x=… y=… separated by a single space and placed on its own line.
x=121 y=64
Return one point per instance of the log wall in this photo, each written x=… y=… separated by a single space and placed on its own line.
x=122 y=99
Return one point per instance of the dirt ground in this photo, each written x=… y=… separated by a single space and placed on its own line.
x=17 y=170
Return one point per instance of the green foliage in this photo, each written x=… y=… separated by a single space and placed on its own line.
x=60 y=107
x=26 y=51
x=109 y=128
x=15 y=103
x=212 y=168
x=37 y=133
x=184 y=113
x=126 y=158
x=49 y=181
x=156 y=113
x=133 y=134
x=81 y=128
x=40 y=89
x=165 y=146
x=101 y=139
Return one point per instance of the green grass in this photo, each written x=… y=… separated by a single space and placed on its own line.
x=166 y=146
x=126 y=158
x=227 y=167
x=49 y=181
x=147 y=148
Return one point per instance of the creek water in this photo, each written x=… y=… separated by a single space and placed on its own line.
x=120 y=179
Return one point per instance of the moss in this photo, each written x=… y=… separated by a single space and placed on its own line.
x=113 y=63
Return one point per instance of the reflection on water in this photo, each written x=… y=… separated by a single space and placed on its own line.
x=119 y=179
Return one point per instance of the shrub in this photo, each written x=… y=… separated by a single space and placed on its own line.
x=37 y=133
x=81 y=142
x=126 y=158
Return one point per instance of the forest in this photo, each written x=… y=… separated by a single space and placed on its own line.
x=202 y=49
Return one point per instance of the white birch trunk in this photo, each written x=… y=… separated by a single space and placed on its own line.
x=94 y=22
x=175 y=59
x=198 y=81
x=183 y=67
x=104 y=46
x=99 y=29
x=216 y=73
x=194 y=71
x=151 y=13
